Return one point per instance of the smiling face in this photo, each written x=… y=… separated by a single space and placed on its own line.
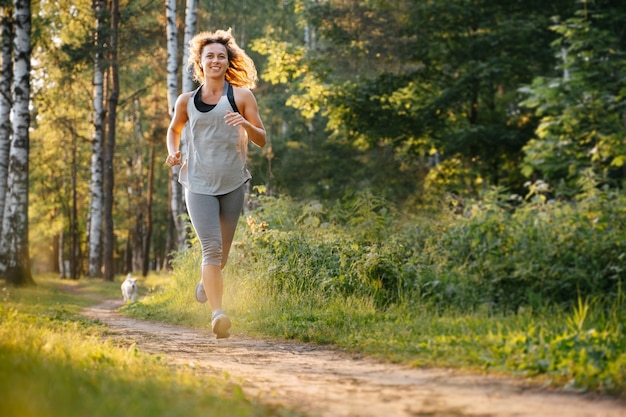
x=214 y=60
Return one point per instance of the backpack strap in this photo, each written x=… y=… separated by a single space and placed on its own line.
x=231 y=98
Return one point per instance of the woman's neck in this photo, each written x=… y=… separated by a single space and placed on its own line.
x=214 y=86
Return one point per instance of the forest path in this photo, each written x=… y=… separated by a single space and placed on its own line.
x=331 y=383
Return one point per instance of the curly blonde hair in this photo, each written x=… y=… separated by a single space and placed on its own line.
x=241 y=69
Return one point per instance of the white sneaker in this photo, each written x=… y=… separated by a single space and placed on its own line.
x=220 y=323
x=200 y=294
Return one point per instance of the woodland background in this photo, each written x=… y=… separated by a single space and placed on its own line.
x=426 y=104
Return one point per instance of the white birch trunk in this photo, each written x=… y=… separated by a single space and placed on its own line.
x=172 y=55
x=15 y=220
x=6 y=82
x=188 y=85
x=96 y=204
x=176 y=202
x=190 y=30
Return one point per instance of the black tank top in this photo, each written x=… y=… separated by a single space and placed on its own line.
x=205 y=108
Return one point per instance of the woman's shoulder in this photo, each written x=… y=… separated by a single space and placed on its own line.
x=183 y=100
x=184 y=97
x=241 y=90
x=242 y=94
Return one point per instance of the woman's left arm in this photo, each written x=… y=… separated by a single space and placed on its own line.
x=248 y=116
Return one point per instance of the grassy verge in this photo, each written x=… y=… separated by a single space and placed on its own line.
x=54 y=362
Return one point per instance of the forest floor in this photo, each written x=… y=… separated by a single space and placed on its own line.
x=324 y=382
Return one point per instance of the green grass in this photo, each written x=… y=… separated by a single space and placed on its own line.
x=54 y=362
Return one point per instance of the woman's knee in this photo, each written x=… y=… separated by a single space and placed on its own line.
x=211 y=253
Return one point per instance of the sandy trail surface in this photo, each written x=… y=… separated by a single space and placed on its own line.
x=331 y=383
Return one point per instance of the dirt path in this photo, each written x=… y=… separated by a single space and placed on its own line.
x=335 y=384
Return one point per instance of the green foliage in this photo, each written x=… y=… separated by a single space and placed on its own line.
x=581 y=108
x=327 y=259
x=538 y=253
x=541 y=252
x=452 y=176
x=586 y=351
x=436 y=77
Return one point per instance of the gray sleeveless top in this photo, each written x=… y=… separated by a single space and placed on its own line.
x=215 y=163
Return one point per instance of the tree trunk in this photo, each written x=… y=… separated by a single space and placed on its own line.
x=54 y=254
x=190 y=29
x=148 y=232
x=74 y=238
x=109 y=235
x=172 y=55
x=16 y=262
x=61 y=256
x=128 y=254
x=95 y=207
x=176 y=198
x=170 y=243
x=6 y=82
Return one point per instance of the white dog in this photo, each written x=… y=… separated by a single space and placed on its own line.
x=129 y=289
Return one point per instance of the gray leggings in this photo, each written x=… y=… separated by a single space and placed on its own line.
x=215 y=219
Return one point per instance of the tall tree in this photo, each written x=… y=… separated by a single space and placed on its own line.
x=97 y=198
x=6 y=84
x=181 y=222
x=109 y=169
x=16 y=262
x=176 y=199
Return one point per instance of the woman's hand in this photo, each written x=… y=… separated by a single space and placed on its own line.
x=173 y=160
x=234 y=119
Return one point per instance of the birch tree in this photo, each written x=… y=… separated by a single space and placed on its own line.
x=15 y=262
x=6 y=82
x=176 y=199
x=188 y=85
x=109 y=235
x=95 y=208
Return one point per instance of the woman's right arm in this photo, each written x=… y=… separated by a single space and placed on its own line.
x=173 y=131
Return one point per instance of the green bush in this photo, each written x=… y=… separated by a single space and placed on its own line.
x=541 y=252
x=538 y=253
